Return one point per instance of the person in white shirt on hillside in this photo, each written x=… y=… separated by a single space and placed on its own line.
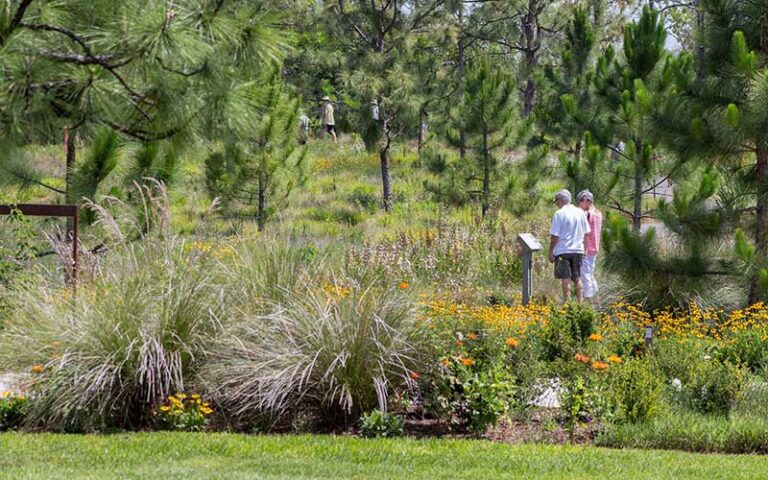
x=566 y=247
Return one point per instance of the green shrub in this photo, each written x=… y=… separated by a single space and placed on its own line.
x=341 y=348
x=365 y=197
x=748 y=348
x=567 y=330
x=676 y=359
x=584 y=399
x=714 y=388
x=382 y=424
x=13 y=410
x=637 y=391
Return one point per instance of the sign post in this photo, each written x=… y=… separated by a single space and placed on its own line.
x=32 y=210
x=528 y=245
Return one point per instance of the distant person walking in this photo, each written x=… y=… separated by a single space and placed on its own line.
x=566 y=247
x=304 y=126
x=591 y=244
x=329 y=123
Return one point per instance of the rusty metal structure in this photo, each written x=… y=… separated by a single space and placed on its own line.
x=37 y=210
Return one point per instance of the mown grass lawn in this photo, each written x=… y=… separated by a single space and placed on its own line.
x=229 y=456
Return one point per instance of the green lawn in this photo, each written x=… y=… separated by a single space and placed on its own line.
x=227 y=456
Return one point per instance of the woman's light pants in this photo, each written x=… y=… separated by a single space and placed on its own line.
x=588 y=281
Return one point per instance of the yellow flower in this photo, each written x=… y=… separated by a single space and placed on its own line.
x=165 y=408
x=596 y=337
x=195 y=396
x=36 y=369
x=614 y=359
x=206 y=410
x=6 y=394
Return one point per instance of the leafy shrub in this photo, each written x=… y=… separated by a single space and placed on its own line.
x=676 y=359
x=382 y=424
x=748 y=348
x=365 y=197
x=338 y=348
x=188 y=413
x=474 y=385
x=637 y=391
x=714 y=388
x=566 y=330
x=13 y=409
x=584 y=399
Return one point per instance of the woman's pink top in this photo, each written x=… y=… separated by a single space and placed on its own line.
x=592 y=245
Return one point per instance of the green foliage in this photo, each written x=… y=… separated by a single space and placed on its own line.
x=567 y=330
x=637 y=391
x=13 y=410
x=747 y=348
x=584 y=399
x=714 y=388
x=378 y=424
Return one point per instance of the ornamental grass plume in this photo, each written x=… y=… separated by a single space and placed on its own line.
x=341 y=355
x=134 y=332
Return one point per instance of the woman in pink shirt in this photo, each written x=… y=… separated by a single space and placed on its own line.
x=592 y=243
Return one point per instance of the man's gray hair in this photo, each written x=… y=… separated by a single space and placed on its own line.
x=563 y=195
x=585 y=195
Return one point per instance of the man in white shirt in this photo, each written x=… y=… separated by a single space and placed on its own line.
x=566 y=247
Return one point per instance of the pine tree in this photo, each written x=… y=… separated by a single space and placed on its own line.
x=486 y=115
x=721 y=114
x=148 y=70
x=267 y=164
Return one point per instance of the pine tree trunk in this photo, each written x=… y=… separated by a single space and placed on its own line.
x=530 y=48
x=486 y=175
x=262 y=203
x=386 y=180
x=761 y=222
x=637 y=210
x=700 y=48
x=461 y=67
x=69 y=198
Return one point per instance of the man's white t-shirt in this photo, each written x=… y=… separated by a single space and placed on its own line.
x=569 y=225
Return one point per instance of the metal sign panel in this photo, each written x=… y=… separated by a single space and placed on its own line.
x=529 y=242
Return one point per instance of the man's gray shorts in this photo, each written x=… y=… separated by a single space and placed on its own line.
x=568 y=265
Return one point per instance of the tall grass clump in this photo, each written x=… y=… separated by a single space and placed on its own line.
x=132 y=334
x=336 y=350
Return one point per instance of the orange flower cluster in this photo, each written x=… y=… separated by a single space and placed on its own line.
x=582 y=358
x=511 y=342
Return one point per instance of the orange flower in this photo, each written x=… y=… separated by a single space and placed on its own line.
x=472 y=336
x=415 y=375
x=459 y=343
x=596 y=337
x=511 y=342
x=404 y=285
x=445 y=362
x=614 y=359
x=600 y=366
x=467 y=362
x=581 y=358
x=36 y=369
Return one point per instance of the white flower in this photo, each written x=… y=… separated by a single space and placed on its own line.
x=677 y=384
